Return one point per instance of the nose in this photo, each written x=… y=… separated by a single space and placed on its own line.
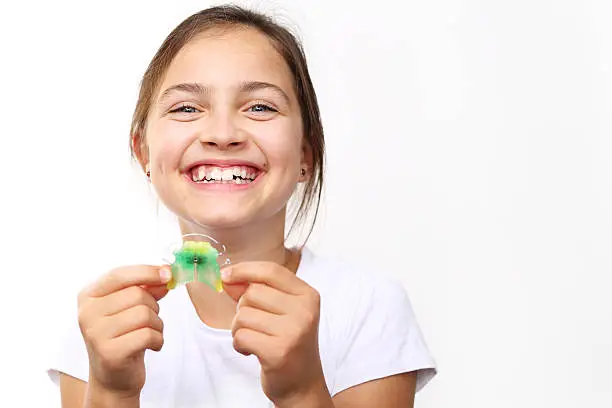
x=222 y=132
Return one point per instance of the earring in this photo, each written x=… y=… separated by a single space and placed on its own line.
x=148 y=172
x=303 y=172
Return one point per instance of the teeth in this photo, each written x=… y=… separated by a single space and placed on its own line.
x=228 y=174
x=201 y=174
x=210 y=174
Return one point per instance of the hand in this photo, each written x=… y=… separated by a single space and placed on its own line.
x=118 y=317
x=277 y=320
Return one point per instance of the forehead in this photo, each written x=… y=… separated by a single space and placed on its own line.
x=223 y=58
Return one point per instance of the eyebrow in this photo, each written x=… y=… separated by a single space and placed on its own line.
x=202 y=90
x=188 y=87
x=252 y=86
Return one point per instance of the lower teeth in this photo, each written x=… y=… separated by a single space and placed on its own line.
x=237 y=181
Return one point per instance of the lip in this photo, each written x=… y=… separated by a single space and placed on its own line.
x=222 y=163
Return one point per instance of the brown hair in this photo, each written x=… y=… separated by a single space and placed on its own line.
x=287 y=46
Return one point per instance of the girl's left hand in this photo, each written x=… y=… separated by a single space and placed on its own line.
x=277 y=319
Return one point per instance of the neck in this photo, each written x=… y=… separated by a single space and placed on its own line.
x=263 y=240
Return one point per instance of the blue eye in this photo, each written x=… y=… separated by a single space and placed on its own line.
x=185 y=109
x=260 y=108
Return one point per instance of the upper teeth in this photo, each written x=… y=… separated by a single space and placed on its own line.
x=213 y=173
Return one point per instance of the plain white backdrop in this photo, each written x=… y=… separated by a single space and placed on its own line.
x=469 y=147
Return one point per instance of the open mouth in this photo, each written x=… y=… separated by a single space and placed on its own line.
x=210 y=174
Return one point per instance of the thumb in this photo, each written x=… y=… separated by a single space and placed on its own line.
x=235 y=290
x=158 y=291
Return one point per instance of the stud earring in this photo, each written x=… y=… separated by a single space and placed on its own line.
x=303 y=172
x=148 y=172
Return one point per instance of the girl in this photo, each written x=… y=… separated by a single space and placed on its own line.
x=226 y=127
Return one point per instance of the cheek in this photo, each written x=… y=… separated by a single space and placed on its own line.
x=167 y=143
x=282 y=144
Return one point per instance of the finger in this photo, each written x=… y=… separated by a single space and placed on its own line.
x=261 y=296
x=270 y=273
x=125 y=299
x=235 y=291
x=158 y=292
x=121 y=278
x=135 y=318
x=258 y=320
x=248 y=341
x=137 y=341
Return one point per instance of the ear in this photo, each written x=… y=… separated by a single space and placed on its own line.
x=140 y=149
x=306 y=162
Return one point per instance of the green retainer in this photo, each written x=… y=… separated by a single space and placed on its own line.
x=196 y=261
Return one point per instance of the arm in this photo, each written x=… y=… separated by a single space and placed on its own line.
x=396 y=391
x=77 y=394
x=73 y=391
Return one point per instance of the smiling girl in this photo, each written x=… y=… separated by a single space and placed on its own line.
x=227 y=129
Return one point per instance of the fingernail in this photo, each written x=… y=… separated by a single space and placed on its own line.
x=165 y=274
x=226 y=274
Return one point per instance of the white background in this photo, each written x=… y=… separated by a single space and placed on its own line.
x=469 y=142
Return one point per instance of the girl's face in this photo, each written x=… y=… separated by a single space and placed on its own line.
x=224 y=133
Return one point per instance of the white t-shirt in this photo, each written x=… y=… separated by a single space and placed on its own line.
x=367 y=330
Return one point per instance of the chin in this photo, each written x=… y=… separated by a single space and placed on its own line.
x=221 y=219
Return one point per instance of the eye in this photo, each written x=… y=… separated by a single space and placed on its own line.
x=185 y=109
x=261 y=108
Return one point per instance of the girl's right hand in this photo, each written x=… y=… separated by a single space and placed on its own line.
x=118 y=317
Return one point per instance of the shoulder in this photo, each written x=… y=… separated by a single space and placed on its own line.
x=357 y=297
x=367 y=317
x=358 y=281
x=67 y=351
